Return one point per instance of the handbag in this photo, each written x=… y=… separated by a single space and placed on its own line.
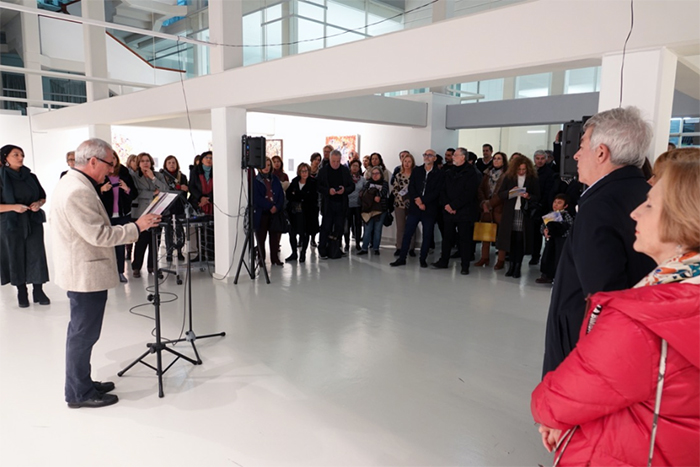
x=279 y=222
x=485 y=231
x=388 y=219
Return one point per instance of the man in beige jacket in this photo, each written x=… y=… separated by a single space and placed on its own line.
x=86 y=265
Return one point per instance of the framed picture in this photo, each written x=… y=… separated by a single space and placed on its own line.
x=344 y=144
x=273 y=147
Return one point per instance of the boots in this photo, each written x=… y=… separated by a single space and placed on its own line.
x=39 y=295
x=22 y=297
x=292 y=257
x=482 y=262
x=511 y=270
x=516 y=270
x=501 y=260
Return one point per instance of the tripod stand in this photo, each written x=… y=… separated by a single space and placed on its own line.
x=159 y=345
x=250 y=240
x=190 y=335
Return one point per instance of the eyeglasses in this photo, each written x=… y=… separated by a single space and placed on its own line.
x=428 y=155
x=111 y=164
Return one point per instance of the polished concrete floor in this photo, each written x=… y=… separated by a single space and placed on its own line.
x=343 y=362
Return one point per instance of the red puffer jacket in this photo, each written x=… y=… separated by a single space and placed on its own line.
x=607 y=385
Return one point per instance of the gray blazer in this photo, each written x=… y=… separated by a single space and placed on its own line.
x=147 y=188
x=83 y=239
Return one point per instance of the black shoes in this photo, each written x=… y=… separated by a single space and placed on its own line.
x=423 y=263
x=544 y=279
x=362 y=252
x=39 y=296
x=439 y=265
x=464 y=271
x=511 y=269
x=136 y=273
x=398 y=252
x=398 y=262
x=411 y=253
x=22 y=296
x=123 y=279
x=376 y=252
x=103 y=387
x=100 y=400
x=534 y=261
x=292 y=257
x=516 y=271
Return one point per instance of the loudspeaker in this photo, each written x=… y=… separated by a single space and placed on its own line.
x=254 y=152
x=570 y=141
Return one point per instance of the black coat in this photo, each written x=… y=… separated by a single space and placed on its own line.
x=548 y=188
x=598 y=256
x=22 y=251
x=506 y=226
x=175 y=184
x=324 y=185
x=433 y=187
x=459 y=190
x=306 y=221
x=125 y=199
x=195 y=186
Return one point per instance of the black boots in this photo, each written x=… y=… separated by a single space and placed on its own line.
x=39 y=295
x=22 y=296
x=514 y=270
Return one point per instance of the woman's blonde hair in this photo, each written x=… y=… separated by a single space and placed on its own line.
x=680 y=216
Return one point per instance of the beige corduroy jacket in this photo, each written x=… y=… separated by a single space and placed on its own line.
x=83 y=239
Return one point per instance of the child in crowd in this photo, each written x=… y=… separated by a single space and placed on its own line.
x=555 y=229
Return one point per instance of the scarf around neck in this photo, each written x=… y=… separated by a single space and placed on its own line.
x=677 y=269
x=207 y=172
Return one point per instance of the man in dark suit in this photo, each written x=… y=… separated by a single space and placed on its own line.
x=334 y=184
x=547 y=179
x=460 y=206
x=598 y=255
x=424 y=192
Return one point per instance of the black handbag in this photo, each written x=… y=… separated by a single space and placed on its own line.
x=279 y=222
x=388 y=219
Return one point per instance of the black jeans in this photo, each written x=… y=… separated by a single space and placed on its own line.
x=143 y=244
x=428 y=223
x=87 y=311
x=354 y=224
x=119 y=249
x=332 y=226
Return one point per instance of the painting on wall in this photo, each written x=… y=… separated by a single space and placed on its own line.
x=344 y=144
x=273 y=147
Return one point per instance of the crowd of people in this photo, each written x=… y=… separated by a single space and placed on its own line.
x=621 y=370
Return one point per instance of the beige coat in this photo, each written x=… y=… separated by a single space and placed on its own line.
x=83 y=239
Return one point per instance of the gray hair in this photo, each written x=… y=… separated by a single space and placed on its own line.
x=464 y=151
x=93 y=147
x=335 y=152
x=540 y=152
x=625 y=134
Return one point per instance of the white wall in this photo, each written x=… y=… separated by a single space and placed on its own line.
x=161 y=142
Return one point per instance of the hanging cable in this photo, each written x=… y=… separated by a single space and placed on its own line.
x=624 y=50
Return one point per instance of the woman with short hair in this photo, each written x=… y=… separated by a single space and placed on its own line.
x=629 y=393
x=302 y=208
x=353 y=221
x=375 y=160
x=22 y=250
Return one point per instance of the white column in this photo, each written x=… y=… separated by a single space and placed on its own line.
x=225 y=27
x=228 y=125
x=649 y=82
x=443 y=9
x=31 y=52
x=95 y=46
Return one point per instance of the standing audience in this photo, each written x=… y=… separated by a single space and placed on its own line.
x=302 y=206
x=177 y=183
x=374 y=208
x=353 y=223
x=492 y=205
x=399 y=191
x=268 y=216
x=334 y=184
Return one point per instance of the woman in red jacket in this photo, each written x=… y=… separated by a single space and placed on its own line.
x=639 y=352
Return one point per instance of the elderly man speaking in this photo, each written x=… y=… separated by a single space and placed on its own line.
x=86 y=265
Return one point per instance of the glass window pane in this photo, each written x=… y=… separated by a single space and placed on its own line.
x=532 y=85
x=309 y=30
x=580 y=80
x=273 y=35
x=690 y=141
x=691 y=125
x=273 y=13
x=384 y=27
x=675 y=125
x=252 y=35
x=345 y=16
x=310 y=11
x=336 y=36
x=492 y=89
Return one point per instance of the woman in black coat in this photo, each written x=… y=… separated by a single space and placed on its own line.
x=177 y=182
x=515 y=230
x=22 y=251
x=302 y=207
x=117 y=193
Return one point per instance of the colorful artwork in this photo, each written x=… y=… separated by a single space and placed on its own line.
x=122 y=146
x=344 y=144
x=273 y=147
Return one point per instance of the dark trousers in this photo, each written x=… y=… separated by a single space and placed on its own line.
x=460 y=232
x=354 y=224
x=261 y=235
x=536 y=237
x=428 y=225
x=517 y=247
x=119 y=249
x=87 y=311
x=550 y=257
x=332 y=225
x=143 y=244
x=173 y=236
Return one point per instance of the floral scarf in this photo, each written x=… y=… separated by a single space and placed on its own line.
x=679 y=268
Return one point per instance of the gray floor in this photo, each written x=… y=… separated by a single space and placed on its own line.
x=337 y=363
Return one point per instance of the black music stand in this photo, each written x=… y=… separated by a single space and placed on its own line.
x=254 y=251
x=159 y=345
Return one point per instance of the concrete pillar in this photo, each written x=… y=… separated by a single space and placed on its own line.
x=31 y=51
x=95 y=44
x=225 y=27
x=648 y=83
x=228 y=125
x=442 y=10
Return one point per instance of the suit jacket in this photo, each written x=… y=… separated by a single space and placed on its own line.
x=597 y=257
x=83 y=239
x=460 y=192
x=428 y=188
